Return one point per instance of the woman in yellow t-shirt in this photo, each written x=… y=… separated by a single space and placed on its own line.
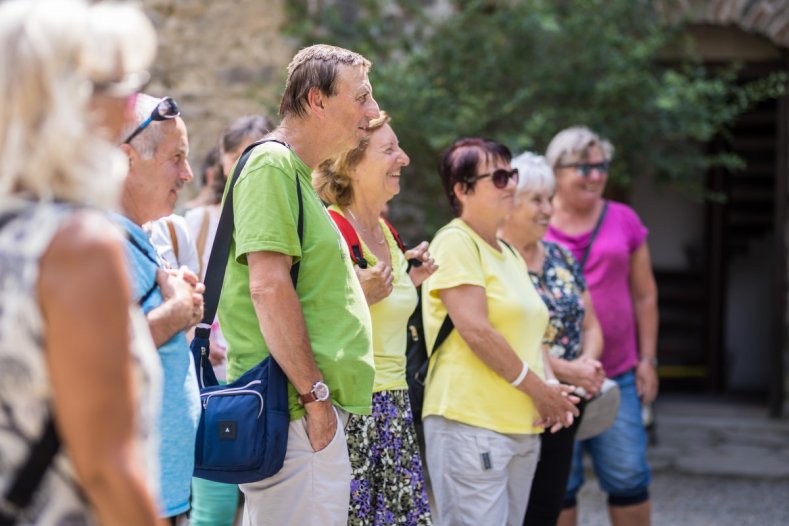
x=486 y=398
x=387 y=481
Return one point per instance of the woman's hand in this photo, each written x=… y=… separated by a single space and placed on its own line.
x=586 y=373
x=646 y=381
x=555 y=404
x=376 y=282
x=428 y=266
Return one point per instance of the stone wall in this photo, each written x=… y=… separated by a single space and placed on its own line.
x=219 y=60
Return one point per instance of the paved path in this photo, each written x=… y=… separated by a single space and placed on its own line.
x=715 y=464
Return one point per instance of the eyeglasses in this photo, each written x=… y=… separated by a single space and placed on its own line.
x=164 y=110
x=499 y=177
x=586 y=168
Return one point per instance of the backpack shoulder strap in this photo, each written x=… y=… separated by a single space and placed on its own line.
x=351 y=238
x=395 y=235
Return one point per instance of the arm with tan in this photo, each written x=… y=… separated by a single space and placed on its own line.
x=643 y=290
x=468 y=308
x=282 y=324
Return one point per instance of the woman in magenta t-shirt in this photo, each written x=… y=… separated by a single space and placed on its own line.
x=619 y=277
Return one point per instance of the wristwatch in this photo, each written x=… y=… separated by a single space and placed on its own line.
x=318 y=393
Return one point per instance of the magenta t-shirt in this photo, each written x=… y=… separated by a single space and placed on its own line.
x=607 y=273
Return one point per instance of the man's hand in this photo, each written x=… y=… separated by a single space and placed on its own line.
x=184 y=294
x=321 y=424
x=646 y=382
x=428 y=266
x=376 y=282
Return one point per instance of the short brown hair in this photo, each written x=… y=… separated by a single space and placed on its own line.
x=331 y=178
x=315 y=67
x=459 y=164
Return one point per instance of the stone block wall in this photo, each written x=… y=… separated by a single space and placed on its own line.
x=219 y=59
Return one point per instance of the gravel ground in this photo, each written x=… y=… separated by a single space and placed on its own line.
x=700 y=501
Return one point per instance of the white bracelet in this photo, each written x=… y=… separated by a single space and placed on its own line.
x=516 y=382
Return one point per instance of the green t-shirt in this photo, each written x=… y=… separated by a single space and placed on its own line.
x=265 y=207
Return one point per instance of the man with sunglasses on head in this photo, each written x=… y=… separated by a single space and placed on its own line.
x=156 y=145
x=320 y=332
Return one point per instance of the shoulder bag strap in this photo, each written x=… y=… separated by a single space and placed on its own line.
x=594 y=235
x=220 y=251
x=202 y=236
x=351 y=238
x=173 y=236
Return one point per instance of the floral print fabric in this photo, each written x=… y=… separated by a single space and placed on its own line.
x=560 y=285
x=387 y=480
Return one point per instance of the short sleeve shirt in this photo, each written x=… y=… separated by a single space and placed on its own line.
x=390 y=316
x=560 y=285
x=459 y=385
x=265 y=208
x=607 y=273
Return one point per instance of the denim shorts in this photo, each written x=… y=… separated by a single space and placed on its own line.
x=619 y=455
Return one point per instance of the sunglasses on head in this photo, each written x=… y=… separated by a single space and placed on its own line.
x=165 y=109
x=499 y=177
x=586 y=168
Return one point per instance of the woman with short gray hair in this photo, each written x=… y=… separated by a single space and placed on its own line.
x=573 y=340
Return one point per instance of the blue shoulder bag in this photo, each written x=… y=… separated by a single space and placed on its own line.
x=243 y=432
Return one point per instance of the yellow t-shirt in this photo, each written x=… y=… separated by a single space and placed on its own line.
x=459 y=385
x=390 y=317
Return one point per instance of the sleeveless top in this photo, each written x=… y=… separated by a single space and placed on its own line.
x=25 y=393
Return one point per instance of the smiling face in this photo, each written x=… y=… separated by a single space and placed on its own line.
x=153 y=184
x=582 y=191
x=377 y=175
x=531 y=213
x=350 y=109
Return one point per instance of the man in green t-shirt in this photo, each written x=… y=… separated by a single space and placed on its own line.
x=319 y=332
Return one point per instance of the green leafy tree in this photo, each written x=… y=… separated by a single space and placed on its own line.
x=520 y=71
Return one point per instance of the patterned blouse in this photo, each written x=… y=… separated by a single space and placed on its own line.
x=560 y=286
x=25 y=393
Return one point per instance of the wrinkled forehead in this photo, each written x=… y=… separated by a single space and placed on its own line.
x=352 y=79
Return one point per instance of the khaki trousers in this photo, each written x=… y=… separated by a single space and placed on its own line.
x=478 y=476
x=311 y=488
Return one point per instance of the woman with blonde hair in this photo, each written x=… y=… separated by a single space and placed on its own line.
x=387 y=483
x=78 y=396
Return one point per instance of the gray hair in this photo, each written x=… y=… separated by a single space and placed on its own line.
x=573 y=144
x=147 y=141
x=52 y=55
x=534 y=173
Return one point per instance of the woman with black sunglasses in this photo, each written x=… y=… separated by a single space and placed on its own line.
x=622 y=286
x=486 y=395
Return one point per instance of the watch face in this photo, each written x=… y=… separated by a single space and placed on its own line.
x=321 y=391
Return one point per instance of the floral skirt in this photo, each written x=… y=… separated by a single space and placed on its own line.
x=387 y=481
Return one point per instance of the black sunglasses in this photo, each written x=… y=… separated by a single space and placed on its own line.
x=586 y=168
x=165 y=109
x=499 y=177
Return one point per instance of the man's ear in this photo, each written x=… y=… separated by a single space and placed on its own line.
x=316 y=101
x=131 y=154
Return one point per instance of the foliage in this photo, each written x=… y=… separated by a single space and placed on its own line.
x=520 y=71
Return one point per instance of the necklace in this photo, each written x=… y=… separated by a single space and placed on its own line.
x=383 y=239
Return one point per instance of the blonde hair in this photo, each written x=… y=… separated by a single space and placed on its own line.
x=332 y=179
x=572 y=145
x=52 y=53
x=534 y=174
